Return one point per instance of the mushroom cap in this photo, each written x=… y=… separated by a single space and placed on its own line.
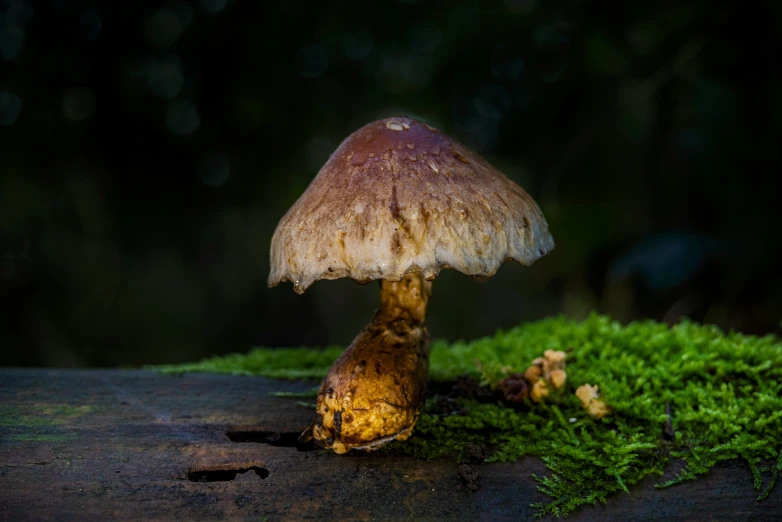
x=399 y=196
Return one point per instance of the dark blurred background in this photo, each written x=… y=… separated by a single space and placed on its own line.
x=147 y=153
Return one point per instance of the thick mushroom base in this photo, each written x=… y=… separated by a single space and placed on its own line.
x=374 y=392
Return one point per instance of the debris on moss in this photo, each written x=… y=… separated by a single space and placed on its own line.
x=470 y=476
x=717 y=396
x=515 y=388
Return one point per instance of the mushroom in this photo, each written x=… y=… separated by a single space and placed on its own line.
x=591 y=401
x=398 y=201
x=545 y=371
x=534 y=383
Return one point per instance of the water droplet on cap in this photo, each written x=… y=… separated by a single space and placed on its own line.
x=397 y=125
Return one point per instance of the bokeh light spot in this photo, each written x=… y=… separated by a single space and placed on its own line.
x=213 y=169
x=11 y=42
x=214 y=6
x=482 y=134
x=404 y=71
x=182 y=117
x=163 y=27
x=164 y=76
x=358 y=44
x=506 y=62
x=78 y=104
x=690 y=141
x=317 y=152
x=10 y=107
x=18 y=14
x=552 y=72
x=91 y=24
x=492 y=102
x=184 y=11
x=39 y=125
x=423 y=37
x=312 y=61
x=13 y=27
x=520 y=6
x=523 y=96
x=550 y=36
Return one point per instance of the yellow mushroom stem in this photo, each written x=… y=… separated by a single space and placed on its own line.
x=374 y=392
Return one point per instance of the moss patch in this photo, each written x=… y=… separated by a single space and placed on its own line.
x=723 y=392
x=280 y=363
x=42 y=437
x=40 y=414
x=39 y=421
x=308 y=394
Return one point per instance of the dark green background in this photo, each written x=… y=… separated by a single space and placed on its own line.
x=147 y=152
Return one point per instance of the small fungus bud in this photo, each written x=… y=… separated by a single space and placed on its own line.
x=555 y=359
x=589 y=397
x=539 y=391
x=533 y=374
x=557 y=379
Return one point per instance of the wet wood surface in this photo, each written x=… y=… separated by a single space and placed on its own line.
x=134 y=445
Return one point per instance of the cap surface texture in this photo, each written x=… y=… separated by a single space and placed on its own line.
x=400 y=196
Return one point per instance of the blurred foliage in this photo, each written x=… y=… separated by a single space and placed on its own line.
x=146 y=154
x=719 y=396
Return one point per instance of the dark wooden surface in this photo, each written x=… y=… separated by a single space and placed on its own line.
x=133 y=445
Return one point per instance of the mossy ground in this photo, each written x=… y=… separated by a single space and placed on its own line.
x=717 y=396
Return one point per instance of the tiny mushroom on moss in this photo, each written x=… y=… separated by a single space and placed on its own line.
x=590 y=399
x=539 y=391
x=557 y=379
x=397 y=202
x=535 y=371
x=546 y=372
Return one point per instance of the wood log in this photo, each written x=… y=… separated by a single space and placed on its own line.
x=135 y=445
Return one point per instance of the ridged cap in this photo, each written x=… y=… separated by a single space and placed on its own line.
x=400 y=196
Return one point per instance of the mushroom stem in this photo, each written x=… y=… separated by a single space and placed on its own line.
x=374 y=392
x=405 y=300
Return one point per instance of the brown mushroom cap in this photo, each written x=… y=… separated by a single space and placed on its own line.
x=400 y=196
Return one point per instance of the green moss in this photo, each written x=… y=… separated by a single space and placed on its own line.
x=39 y=421
x=45 y=437
x=11 y=417
x=724 y=392
x=280 y=363
x=40 y=414
x=308 y=394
